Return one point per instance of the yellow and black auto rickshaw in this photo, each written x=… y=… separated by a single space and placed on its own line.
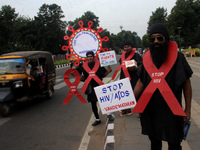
x=25 y=75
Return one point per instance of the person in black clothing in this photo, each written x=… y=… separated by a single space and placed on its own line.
x=91 y=96
x=158 y=121
x=131 y=70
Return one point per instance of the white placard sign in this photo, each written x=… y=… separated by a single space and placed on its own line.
x=107 y=58
x=115 y=96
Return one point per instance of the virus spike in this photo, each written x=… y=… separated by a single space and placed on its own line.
x=66 y=37
x=105 y=38
x=64 y=47
x=80 y=24
x=105 y=49
x=71 y=29
x=90 y=23
x=99 y=30
x=77 y=63
x=69 y=56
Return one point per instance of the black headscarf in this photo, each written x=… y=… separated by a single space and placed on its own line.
x=127 y=43
x=159 y=28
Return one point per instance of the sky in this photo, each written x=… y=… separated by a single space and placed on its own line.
x=133 y=15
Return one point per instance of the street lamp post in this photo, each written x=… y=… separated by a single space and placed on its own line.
x=179 y=28
x=121 y=27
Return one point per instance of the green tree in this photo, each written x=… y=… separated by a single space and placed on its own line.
x=145 y=40
x=139 y=42
x=159 y=16
x=7 y=32
x=88 y=16
x=115 y=41
x=121 y=37
x=185 y=14
x=50 y=28
x=24 y=34
x=106 y=44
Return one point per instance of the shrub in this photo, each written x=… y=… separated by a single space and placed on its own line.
x=197 y=51
x=61 y=62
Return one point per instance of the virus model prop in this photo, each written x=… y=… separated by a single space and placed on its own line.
x=83 y=40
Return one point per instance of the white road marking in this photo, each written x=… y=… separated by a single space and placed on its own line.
x=59 y=86
x=63 y=84
x=4 y=120
x=58 y=80
x=86 y=138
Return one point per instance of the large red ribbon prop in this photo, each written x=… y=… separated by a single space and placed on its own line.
x=123 y=66
x=91 y=73
x=158 y=81
x=73 y=87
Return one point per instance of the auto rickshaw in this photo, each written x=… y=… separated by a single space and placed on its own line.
x=25 y=75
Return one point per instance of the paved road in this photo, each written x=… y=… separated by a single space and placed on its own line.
x=47 y=124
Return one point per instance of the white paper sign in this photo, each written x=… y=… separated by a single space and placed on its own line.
x=107 y=58
x=115 y=96
x=130 y=63
x=84 y=42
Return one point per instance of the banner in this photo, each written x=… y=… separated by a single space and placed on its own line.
x=115 y=96
x=107 y=58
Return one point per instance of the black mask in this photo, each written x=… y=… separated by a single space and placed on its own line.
x=159 y=54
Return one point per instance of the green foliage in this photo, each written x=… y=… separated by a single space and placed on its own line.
x=121 y=37
x=107 y=44
x=197 y=52
x=61 y=62
x=46 y=31
x=115 y=41
x=88 y=16
x=145 y=40
x=159 y=16
x=196 y=49
x=51 y=28
x=185 y=14
x=7 y=38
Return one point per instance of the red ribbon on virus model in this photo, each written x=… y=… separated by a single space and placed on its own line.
x=73 y=87
x=158 y=82
x=123 y=66
x=92 y=74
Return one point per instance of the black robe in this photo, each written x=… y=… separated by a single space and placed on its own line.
x=133 y=74
x=157 y=119
x=100 y=73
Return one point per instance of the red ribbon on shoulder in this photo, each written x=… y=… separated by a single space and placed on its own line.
x=73 y=87
x=158 y=81
x=91 y=75
x=123 y=66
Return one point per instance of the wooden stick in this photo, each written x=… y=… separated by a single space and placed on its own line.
x=123 y=122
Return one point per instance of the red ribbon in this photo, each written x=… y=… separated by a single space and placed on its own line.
x=123 y=66
x=73 y=87
x=91 y=73
x=158 y=81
